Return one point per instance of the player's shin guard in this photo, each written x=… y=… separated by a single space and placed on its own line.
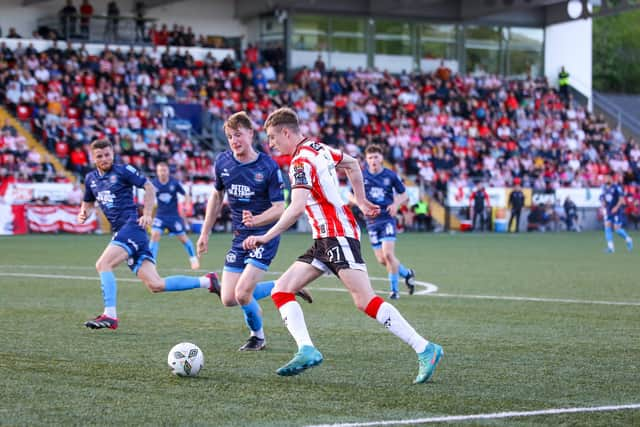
x=263 y=289
x=252 y=316
x=390 y=318
x=293 y=318
x=403 y=271
x=393 y=281
x=188 y=246
x=153 y=247
x=109 y=291
x=181 y=283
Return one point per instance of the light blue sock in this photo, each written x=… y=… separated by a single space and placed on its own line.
x=263 y=289
x=109 y=288
x=153 y=247
x=622 y=233
x=188 y=246
x=181 y=283
x=393 y=279
x=252 y=315
x=608 y=235
x=403 y=271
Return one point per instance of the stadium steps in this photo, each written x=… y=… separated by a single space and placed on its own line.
x=33 y=144
x=620 y=110
x=439 y=213
x=437 y=209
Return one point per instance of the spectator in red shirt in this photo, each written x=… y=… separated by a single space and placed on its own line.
x=86 y=10
x=78 y=160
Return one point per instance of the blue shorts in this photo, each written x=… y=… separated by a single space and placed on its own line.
x=261 y=257
x=381 y=231
x=133 y=239
x=616 y=219
x=175 y=225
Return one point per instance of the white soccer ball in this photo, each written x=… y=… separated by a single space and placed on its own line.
x=185 y=359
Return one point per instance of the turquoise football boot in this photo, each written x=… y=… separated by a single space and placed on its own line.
x=304 y=359
x=428 y=360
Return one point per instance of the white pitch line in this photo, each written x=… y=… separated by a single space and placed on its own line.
x=60 y=276
x=428 y=286
x=429 y=291
x=536 y=299
x=491 y=416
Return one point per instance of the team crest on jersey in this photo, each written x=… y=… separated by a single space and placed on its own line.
x=299 y=177
x=259 y=177
x=113 y=179
x=386 y=181
x=172 y=188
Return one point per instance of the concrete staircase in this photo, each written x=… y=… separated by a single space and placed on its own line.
x=33 y=144
x=439 y=213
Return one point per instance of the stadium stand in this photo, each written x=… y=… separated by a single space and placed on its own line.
x=439 y=127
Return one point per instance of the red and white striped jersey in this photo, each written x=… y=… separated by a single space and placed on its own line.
x=313 y=166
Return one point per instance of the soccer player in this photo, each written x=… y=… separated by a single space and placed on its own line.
x=336 y=244
x=167 y=215
x=111 y=186
x=253 y=185
x=385 y=189
x=612 y=199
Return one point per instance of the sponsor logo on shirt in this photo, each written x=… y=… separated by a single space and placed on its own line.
x=240 y=191
x=164 y=197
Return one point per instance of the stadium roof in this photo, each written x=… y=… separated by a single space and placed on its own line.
x=533 y=13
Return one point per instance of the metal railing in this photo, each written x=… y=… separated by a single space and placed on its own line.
x=625 y=119
x=98 y=28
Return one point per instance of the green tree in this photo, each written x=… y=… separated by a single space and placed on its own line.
x=616 y=53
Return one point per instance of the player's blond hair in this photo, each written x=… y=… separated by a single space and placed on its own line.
x=283 y=117
x=238 y=120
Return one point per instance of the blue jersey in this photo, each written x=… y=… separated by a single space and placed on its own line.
x=611 y=196
x=167 y=197
x=249 y=186
x=114 y=193
x=380 y=189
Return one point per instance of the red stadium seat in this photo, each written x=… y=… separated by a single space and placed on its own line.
x=73 y=112
x=62 y=149
x=24 y=112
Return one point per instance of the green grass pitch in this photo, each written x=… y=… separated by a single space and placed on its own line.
x=562 y=345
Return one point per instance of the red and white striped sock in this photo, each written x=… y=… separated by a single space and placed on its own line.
x=293 y=317
x=390 y=318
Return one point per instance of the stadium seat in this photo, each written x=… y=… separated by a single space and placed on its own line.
x=23 y=112
x=62 y=149
x=73 y=112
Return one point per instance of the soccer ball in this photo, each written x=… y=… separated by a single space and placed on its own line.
x=185 y=359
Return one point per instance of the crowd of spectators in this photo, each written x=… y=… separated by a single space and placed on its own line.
x=441 y=127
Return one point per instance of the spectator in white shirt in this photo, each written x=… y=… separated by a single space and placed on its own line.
x=42 y=74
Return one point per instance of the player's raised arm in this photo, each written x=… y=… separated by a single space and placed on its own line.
x=149 y=201
x=211 y=215
x=352 y=168
x=291 y=214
